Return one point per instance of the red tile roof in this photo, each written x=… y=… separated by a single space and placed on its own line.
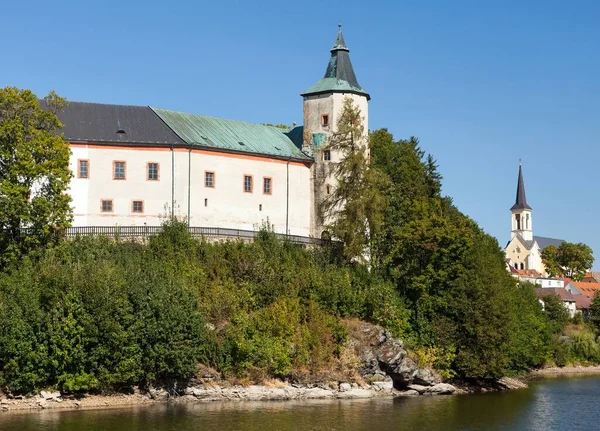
x=587 y=289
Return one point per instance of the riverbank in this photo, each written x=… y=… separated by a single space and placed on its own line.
x=566 y=371
x=203 y=393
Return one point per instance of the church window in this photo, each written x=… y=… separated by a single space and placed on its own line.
x=209 y=179
x=118 y=170
x=518 y=219
x=522 y=265
x=516 y=266
x=247 y=183
x=527 y=222
x=137 y=207
x=267 y=189
x=325 y=120
x=106 y=205
x=83 y=169
x=152 y=169
x=327 y=155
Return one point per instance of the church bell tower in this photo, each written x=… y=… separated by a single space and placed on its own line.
x=521 y=212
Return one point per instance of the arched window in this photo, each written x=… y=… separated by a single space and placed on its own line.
x=518 y=219
x=522 y=265
x=516 y=266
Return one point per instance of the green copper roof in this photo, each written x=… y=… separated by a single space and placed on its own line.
x=339 y=76
x=231 y=135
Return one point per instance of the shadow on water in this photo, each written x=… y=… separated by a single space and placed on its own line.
x=561 y=404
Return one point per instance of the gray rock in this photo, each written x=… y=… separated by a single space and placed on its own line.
x=47 y=395
x=380 y=352
x=355 y=394
x=385 y=386
x=419 y=388
x=441 y=389
x=317 y=393
x=344 y=387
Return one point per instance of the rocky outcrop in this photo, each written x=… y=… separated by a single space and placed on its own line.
x=385 y=356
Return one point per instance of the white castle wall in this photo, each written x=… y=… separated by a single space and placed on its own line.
x=227 y=205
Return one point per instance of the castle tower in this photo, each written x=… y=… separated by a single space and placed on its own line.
x=323 y=104
x=521 y=212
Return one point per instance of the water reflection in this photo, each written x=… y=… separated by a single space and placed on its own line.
x=553 y=404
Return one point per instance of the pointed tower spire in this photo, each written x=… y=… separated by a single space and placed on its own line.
x=521 y=199
x=339 y=76
x=339 y=41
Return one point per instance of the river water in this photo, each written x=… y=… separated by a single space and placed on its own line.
x=553 y=404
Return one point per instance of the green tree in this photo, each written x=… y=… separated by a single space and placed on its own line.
x=556 y=313
x=353 y=211
x=34 y=172
x=595 y=311
x=569 y=260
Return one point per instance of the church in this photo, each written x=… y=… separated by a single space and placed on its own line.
x=134 y=165
x=523 y=251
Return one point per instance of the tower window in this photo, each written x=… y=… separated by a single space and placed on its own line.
x=137 y=207
x=152 y=171
x=518 y=219
x=260 y=207
x=327 y=155
x=118 y=170
x=205 y=202
x=325 y=120
x=83 y=169
x=247 y=183
x=327 y=189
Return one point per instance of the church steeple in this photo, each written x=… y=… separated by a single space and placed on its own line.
x=521 y=199
x=339 y=75
x=521 y=212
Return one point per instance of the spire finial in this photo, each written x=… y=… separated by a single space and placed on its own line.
x=519 y=162
x=339 y=25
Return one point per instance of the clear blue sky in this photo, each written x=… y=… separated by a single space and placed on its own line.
x=480 y=83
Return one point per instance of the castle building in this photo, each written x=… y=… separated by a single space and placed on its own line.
x=134 y=165
x=523 y=251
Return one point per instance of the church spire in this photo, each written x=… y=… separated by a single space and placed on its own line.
x=339 y=76
x=521 y=199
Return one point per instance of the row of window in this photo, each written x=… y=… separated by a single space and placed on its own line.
x=107 y=206
x=152 y=174
x=137 y=207
x=119 y=170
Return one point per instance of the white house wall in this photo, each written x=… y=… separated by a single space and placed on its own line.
x=227 y=205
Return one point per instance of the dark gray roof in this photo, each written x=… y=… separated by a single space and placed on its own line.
x=521 y=200
x=339 y=76
x=544 y=242
x=97 y=122
x=296 y=135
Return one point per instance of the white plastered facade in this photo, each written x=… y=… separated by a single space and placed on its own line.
x=225 y=205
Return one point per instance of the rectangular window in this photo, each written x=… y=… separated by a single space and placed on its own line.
x=118 y=170
x=137 y=207
x=106 y=205
x=267 y=189
x=209 y=179
x=152 y=171
x=247 y=183
x=83 y=169
x=326 y=155
x=325 y=120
